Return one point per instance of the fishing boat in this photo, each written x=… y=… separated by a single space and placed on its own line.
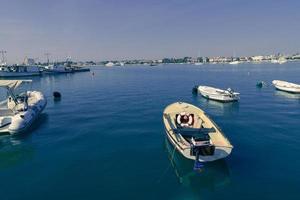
x=57 y=69
x=217 y=94
x=194 y=134
x=19 y=110
x=19 y=71
x=286 y=86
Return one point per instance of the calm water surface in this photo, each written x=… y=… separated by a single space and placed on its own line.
x=105 y=138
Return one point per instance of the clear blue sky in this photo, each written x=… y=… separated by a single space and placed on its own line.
x=125 y=29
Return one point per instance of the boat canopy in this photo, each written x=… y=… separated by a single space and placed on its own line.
x=13 y=84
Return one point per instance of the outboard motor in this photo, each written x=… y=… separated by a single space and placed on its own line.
x=203 y=148
x=231 y=92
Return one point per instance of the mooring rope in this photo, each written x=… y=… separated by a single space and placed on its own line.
x=167 y=169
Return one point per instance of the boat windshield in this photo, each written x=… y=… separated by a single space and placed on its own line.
x=22 y=89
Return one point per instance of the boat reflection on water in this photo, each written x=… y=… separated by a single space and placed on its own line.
x=216 y=107
x=13 y=151
x=212 y=176
x=288 y=95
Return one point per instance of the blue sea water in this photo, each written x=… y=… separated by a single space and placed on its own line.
x=105 y=139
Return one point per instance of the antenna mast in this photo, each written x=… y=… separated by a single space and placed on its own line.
x=47 y=55
x=2 y=52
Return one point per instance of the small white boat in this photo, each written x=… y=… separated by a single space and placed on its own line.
x=19 y=71
x=217 y=94
x=109 y=64
x=19 y=110
x=236 y=62
x=280 y=60
x=194 y=134
x=286 y=86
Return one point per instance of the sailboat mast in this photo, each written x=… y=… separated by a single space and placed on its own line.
x=3 y=56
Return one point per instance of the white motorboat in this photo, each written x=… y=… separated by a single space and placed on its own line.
x=194 y=134
x=217 y=94
x=19 y=71
x=19 y=110
x=280 y=60
x=198 y=63
x=286 y=86
x=236 y=62
x=109 y=64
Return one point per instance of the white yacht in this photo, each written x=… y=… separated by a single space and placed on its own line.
x=286 y=86
x=194 y=134
x=217 y=94
x=19 y=110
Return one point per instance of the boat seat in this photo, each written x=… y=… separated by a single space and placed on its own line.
x=4 y=121
x=197 y=133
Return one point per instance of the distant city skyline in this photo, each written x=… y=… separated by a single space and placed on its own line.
x=118 y=29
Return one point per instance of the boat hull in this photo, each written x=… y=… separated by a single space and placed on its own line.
x=57 y=71
x=81 y=70
x=18 y=74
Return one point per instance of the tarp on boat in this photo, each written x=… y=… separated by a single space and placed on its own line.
x=12 y=84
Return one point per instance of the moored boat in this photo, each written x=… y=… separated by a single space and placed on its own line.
x=236 y=62
x=57 y=69
x=194 y=134
x=109 y=64
x=280 y=60
x=217 y=94
x=19 y=110
x=286 y=86
x=19 y=71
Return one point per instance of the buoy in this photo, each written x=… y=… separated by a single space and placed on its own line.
x=260 y=84
x=195 y=89
x=56 y=95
